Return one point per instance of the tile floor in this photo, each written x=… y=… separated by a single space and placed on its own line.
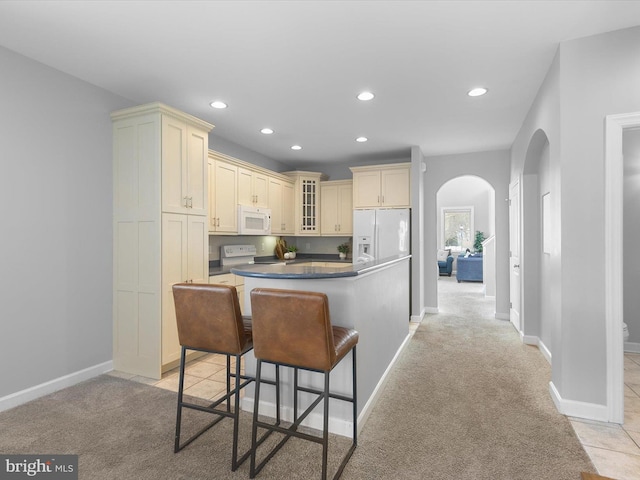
x=615 y=449
x=204 y=377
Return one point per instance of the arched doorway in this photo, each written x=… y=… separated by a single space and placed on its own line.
x=465 y=215
x=539 y=247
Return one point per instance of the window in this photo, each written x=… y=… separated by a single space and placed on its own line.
x=457 y=228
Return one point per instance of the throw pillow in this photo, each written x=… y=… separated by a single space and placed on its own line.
x=442 y=255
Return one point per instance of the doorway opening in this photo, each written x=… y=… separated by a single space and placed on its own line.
x=465 y=226
x=615 y=138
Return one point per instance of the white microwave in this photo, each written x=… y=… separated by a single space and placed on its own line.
x=254 y=221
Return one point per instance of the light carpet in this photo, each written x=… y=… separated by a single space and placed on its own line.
x=466 y=400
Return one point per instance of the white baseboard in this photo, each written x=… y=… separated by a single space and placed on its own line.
x=366 y=410
x=536 y=342
x=502 y=316
x=418 y=318
x=37 y=391
x=572 y=408
x=546 y=353
x=632 y=347
x=314 y=419
x=431 y=310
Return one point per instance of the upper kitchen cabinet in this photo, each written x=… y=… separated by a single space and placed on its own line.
x=336 y=198
x=387 y=186
x=223 y=194
x=184 y=166
x=281 y=194
x=253 y=188
x=160 y=203
x=307 y=201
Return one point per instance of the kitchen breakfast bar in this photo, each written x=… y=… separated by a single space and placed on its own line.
x=372 y=298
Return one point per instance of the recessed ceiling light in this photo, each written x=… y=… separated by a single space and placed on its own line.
x=364 y=96
x=266 y=131
x=476 y=92
x=218 y=104
x=361 y=139
x=296 y=147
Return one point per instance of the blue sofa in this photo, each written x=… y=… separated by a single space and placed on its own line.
x=469 y=269
x=446 y=267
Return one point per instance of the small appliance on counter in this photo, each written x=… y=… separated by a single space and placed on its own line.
x=231 y=255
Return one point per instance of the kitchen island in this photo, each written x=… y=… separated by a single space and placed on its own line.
x=372 y=298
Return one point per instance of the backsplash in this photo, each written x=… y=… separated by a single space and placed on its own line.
x=265 y=245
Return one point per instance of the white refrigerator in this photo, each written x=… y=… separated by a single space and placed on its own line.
x=381 y=233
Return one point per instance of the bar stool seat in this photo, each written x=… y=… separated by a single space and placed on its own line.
x=293 y=328
x=209 y=320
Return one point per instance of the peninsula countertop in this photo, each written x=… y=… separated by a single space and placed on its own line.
x=310 y=269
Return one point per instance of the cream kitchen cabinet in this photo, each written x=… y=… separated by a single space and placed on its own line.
x=387 y=186
x=336 y=208
x=253 y=188
x=157 y=240
x=306 y=201
x=185 y=243
x=223 y=195
x=281 y=204
x=231 y=279
x=184 y=167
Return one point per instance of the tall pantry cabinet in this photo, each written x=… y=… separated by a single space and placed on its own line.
x=160 y=230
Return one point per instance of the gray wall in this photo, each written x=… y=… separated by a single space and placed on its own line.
x=541 y=131
x=590 y=78
x=56 y=243
x=492 y=167
x=242 y=153
x=631 y=240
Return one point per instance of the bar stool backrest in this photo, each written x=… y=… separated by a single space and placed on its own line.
x=292 y=327
x=209 y=318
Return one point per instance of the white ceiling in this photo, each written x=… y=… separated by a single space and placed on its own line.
x=297 y=66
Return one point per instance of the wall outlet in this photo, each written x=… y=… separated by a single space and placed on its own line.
x=307 y=246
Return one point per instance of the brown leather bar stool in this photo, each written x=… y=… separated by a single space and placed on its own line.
x=293 y=328
x=209 y=320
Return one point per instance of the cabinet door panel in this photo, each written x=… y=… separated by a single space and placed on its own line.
x=245 y=190
x=174 y=270
x=212 y=195
x=174 y=166
x=197 y=171
x=226 y=197
x=275 y=204
x=261 y=190
x=366 y=189
x=345 y=210
x=198 y=247
x=288 y=208
x=329 y=211
x=396 y=188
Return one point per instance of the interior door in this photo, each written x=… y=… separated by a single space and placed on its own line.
x=514 y=257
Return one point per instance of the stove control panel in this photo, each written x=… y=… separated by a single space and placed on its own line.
x=229 y=251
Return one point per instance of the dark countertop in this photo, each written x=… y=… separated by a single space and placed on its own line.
x=216 y=269
x=300 y=269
